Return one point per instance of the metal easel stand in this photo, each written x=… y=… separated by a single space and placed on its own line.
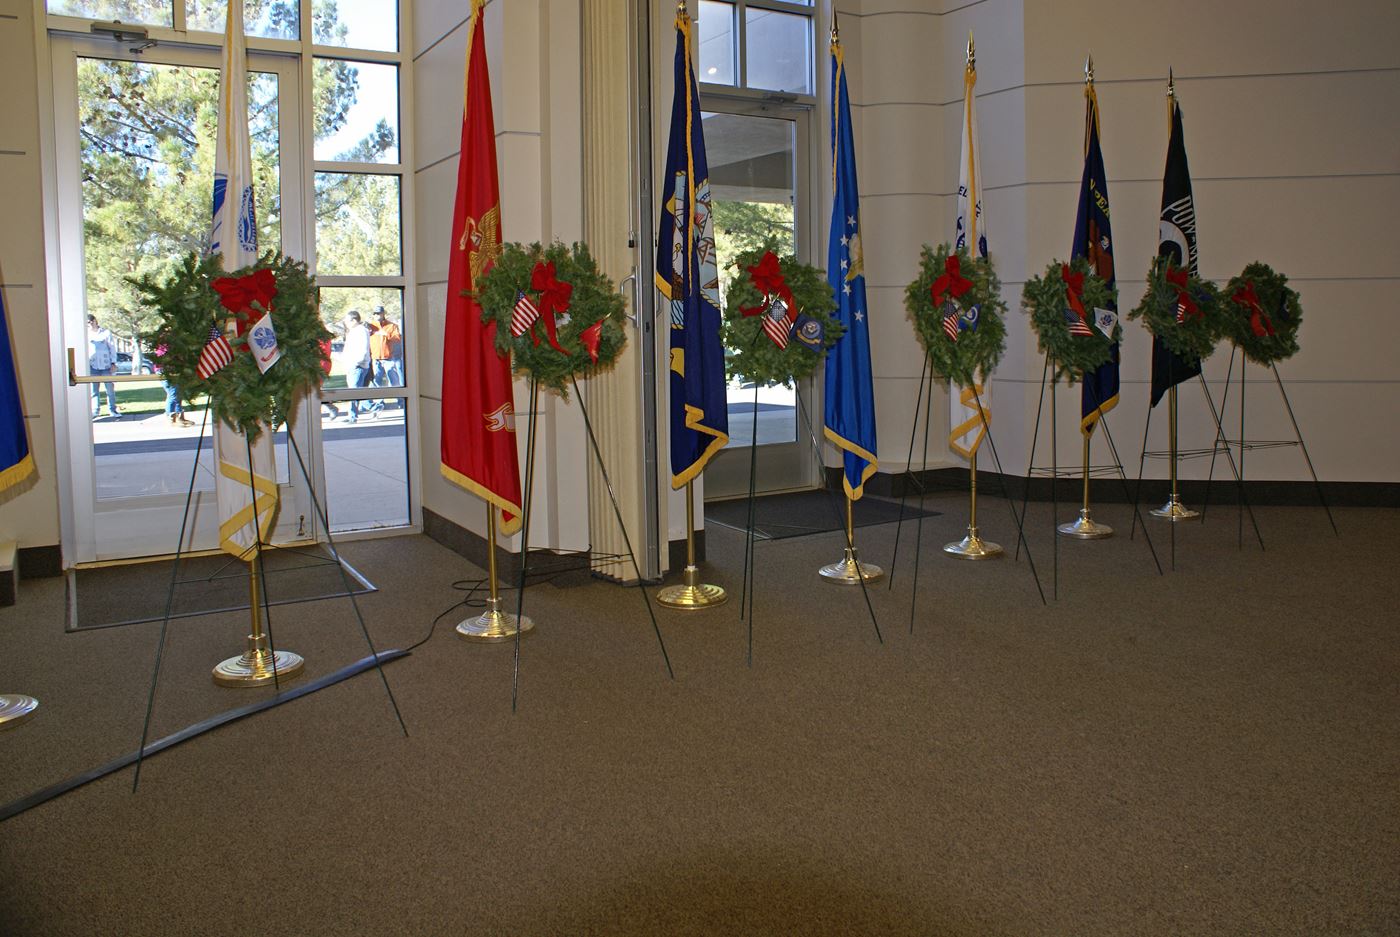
x=1244 y=444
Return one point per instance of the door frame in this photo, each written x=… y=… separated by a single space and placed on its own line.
x=80 y=509
x=780 y=466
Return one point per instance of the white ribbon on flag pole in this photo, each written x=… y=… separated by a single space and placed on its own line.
x=234 y=235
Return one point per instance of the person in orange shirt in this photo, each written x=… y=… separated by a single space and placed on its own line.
x=386 y=350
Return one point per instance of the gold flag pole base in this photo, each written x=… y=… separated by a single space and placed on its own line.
x=1174 y=510
x=494 y=625
x=259 y=664
x=850 y=571
x=692 y=594
x=16 y=708
x=256 y=665
x=1085 y=528
x=973 y=547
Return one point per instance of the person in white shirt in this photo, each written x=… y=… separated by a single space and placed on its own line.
x=356 y=359
x=102 y=359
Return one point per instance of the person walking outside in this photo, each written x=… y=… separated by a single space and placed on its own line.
x=174 y=410
x=102 y=360
x=386 y=348
x=356 y=359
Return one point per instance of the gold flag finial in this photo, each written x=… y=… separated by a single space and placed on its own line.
x=680 y=8
x=835 y=30
x=971 y=53
x=1089 y=69
x=1171 y=83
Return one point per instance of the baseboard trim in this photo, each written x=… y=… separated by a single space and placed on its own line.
x=1112 y=490
x=40 y=562
x=472 y=546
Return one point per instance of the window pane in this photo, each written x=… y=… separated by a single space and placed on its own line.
x=277 y=19
x=366 y=465
x=779 y=51
x=356 y=24
x=388 y=354
x=357 y=111
x=150 y=12
x=718 y=48
x=752 y=181
x=357 y=224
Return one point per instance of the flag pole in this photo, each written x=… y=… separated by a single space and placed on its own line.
x=849 y=571
x=1085 y=527
x=972 y=546
x=691 y=594
x=1174 y=510
x=494 y=624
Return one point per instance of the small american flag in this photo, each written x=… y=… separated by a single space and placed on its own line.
x=777 y=323
x=1077 y=326
x=1180 y=312
x=217 y=353
x=950 y=322
x=524 y=315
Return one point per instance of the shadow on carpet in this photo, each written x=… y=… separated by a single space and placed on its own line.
x=110 y=596
x=800 y=513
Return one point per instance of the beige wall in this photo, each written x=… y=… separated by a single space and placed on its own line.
x=31 y=518
x=533 y=47
x=1295 y=155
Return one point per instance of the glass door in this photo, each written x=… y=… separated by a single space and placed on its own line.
x=757 y=160
x=134 y=138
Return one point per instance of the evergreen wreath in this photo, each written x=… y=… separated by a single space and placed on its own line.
x=1048 y=300
x=751 y=355
x=572 y=317
x=957 y=310
x=189 y=304
x=1261 y=314
x=1181 y=309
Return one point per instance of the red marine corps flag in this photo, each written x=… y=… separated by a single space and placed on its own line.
x=478 y=416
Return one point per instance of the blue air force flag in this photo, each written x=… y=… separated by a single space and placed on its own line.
x=16 y=462
x=850 y=393
x=688 y=276
x=1093 y=239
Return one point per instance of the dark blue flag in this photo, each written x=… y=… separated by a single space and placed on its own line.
x=687 y=275
x=1093 y=239
x=850 y=393
x=16 y=462
x=1177 y=240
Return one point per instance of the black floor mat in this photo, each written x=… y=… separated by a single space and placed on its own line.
x=799 y=513
x=108 y=596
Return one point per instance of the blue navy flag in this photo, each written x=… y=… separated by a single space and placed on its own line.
x=16 y=462
x=1177 y=239
x=688 y=276
x=1093 y=239
x=850 y=393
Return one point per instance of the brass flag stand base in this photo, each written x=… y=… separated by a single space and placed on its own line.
x=15 y=708
x=973 y=547
x=494 y=624
x=259 y=664
x=1085 y=527
x=691 y=594
x=849 y=571
x=1174 y=510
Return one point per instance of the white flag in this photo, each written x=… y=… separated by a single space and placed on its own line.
x=262 y=342
x=246 y=483
x=966 y=423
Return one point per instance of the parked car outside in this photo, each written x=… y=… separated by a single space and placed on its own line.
x=124 y=364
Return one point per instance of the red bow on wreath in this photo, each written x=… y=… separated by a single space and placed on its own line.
x=554 y=299
x=767 y=276
x=237 y=295
x=1074 y=291
x=1185 y=305
x=1258 y=319
x=951 y=283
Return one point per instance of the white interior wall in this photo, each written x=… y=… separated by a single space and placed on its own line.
x=533 y=47
x=31 y=517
